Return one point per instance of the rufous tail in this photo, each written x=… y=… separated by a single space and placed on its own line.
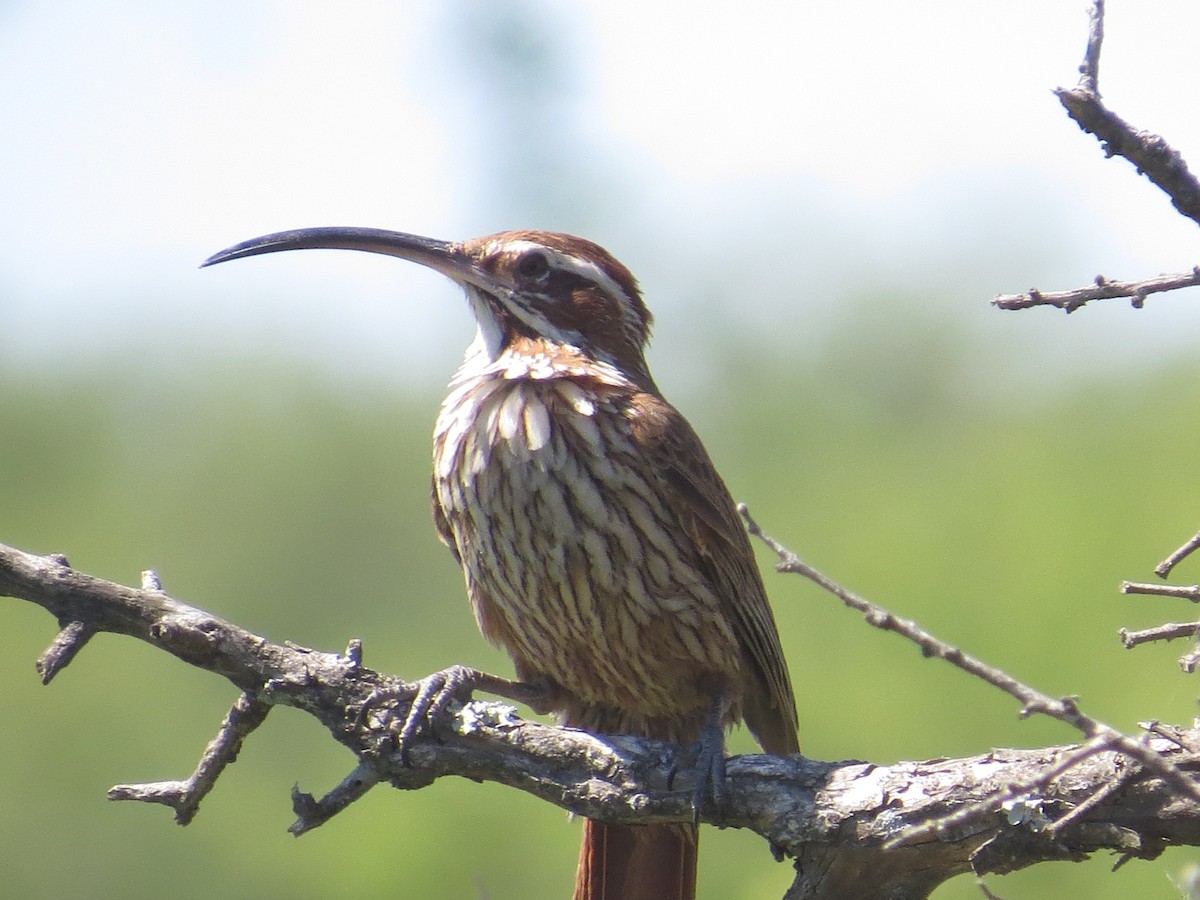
x=637 y=862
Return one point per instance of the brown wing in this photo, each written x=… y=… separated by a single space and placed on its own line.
x=707 y=515
x=442 y=525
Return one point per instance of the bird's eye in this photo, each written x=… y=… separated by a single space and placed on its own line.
x=533 y=265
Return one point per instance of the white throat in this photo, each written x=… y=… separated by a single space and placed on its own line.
x=489 y=337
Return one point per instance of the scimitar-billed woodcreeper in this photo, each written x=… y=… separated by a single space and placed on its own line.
x=600 y=547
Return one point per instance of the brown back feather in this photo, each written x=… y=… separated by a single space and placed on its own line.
x=707 y=514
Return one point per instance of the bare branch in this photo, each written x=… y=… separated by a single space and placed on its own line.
x=1153 y=158
x=1168 y=632
x=1163 y=569
x=1101 y=289
x=1032 y=701
x=185 y=796
x=311 y=812
x=836 y=818
x=1189 y=661
x=1152 y=155
x=69 y=641
x=1180 y=591
x=1089 y=69
x=1003 y=798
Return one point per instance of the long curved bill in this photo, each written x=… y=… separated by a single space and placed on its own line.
x=443 y=256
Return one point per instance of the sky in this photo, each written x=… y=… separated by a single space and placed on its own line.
x=757 y=152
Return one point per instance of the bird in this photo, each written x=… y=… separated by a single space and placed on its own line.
x=599 y=545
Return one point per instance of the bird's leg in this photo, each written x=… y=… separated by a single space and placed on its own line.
x=432 y=694
x=707 y=757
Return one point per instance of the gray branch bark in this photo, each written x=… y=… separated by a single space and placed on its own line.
x=853 y=829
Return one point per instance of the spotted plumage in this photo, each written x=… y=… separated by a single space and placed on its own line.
x=599 y=545
x=623 y=628
x=620 y=576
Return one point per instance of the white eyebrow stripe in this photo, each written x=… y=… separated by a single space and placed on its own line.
x=565 y=262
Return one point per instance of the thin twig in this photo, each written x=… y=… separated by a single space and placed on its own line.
x=1101 y=289
x=1163 y=569
x=1089 y=69
x=1151 y=154
x=1168 y=632
x=1032 y=701
x=1181 y=591
x=185 y=796
x=70 y=639
x=311 y=812
x=1058 y=826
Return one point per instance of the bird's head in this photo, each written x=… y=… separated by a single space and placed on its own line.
x=526 y=288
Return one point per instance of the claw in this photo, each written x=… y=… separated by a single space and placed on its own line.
x=710 y=766
x=433 y=694
x=707 y=758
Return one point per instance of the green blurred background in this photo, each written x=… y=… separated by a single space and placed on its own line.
x=259 y=433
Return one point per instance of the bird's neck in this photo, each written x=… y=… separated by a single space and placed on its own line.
x=513 y=400
x=536 y=359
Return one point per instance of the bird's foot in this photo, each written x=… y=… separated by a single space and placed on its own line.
x=706 y=758
x=434 y=693
x=429 y=698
